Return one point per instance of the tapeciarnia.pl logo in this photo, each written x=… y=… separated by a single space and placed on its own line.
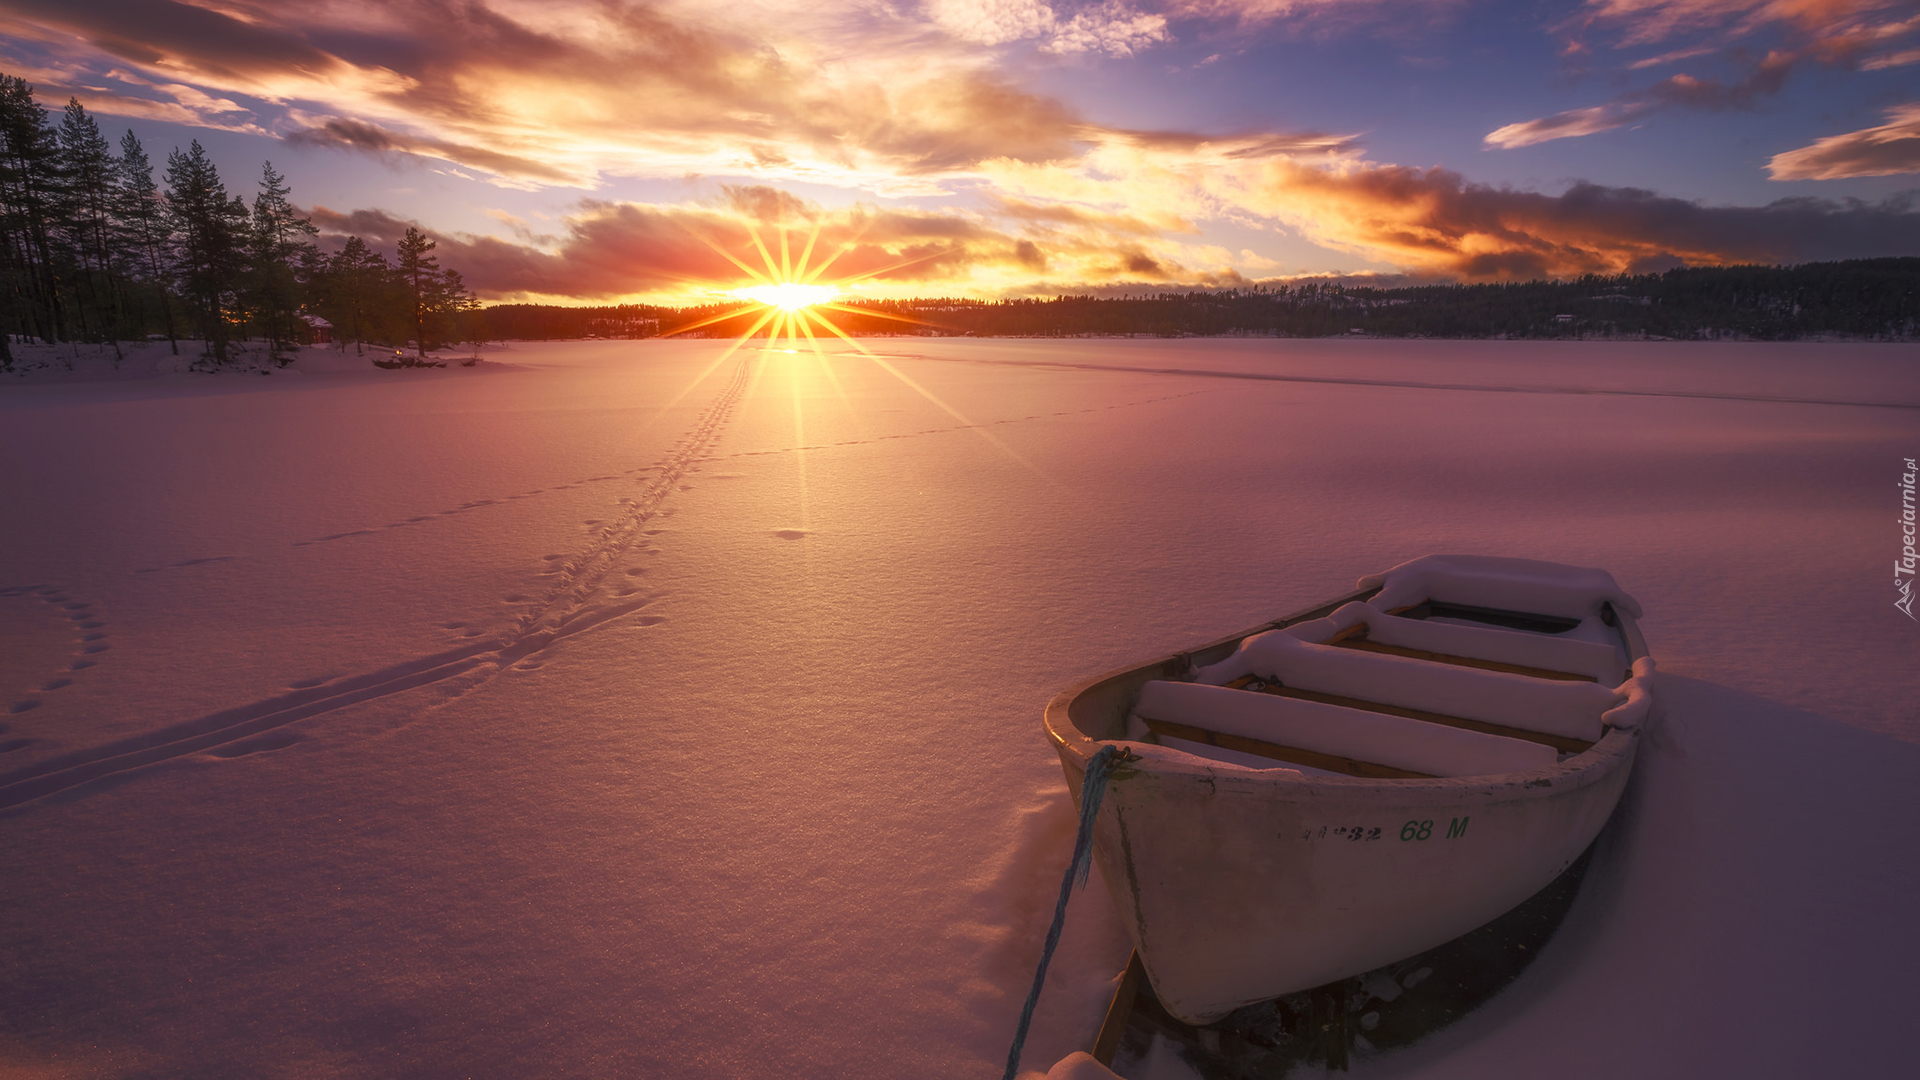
x=1905 y=563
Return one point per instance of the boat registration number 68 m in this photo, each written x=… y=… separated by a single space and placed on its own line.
x=1413 y=831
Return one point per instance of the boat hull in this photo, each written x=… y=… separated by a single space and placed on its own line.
x=1239 y=885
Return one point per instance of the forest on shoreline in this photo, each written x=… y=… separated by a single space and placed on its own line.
x=93 y=249
x=1866 y=299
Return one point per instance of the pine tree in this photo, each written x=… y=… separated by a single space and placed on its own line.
x=419 y=275
x=212 y=237
x=448 y=300
x=282 y=243
x=92 y=248
x=86 y=165
x=357 y=275
x=29 y=185
x=145 y=229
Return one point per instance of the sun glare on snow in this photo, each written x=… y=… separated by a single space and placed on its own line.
x=790 y=304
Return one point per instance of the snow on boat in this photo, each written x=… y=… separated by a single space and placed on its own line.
x=1357 y=783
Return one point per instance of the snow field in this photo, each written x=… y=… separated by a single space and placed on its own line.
x=779 y=805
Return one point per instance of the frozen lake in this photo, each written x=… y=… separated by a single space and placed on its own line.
x=636 y=709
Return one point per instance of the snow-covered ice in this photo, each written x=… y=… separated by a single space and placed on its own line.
x=624 y=709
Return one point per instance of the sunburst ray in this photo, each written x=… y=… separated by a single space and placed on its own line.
x=883 y=365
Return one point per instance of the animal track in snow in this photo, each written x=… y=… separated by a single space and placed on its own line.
x=83 y=622
x=463 y=508
x=574 y=604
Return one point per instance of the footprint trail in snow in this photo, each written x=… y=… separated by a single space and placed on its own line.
x=577 y=601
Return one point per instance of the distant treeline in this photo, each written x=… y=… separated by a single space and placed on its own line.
x=550 y=322
x=1875 y=299
x=93 y=249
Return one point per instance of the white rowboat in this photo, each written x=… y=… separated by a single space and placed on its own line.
x=1362 y=781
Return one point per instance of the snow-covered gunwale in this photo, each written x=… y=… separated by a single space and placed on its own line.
x=1359 y=782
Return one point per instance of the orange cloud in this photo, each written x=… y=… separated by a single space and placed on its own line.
x=570 y=90
x=1433 y=221
x=679 y=253
x=1429 y=222
x=1893 y=147
x=1111 y=27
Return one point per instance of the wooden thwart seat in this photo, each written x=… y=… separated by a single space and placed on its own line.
x=1292 y=755
x=1323 y=736
x=1468 y=696
x=1355 y=637
x=1562 y=743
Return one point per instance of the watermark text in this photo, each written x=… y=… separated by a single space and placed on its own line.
x=1903 y=567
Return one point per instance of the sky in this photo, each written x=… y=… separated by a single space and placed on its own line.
x=577 y=151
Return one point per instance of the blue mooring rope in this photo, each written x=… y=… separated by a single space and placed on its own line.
x=1092 y=789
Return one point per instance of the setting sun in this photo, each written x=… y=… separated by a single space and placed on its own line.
x=788 y=295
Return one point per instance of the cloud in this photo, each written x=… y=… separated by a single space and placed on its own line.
x=889 y=96
x=372 y=138
x=1675 y=92
x=177 y=104
x=1433 y=221
x=574 y=90
x=1428 y=223
x=1111 y=27
x=1891 y=60
x=1325 y=14
x=1567 y=125
x=1844 y=33
x=692 y=253
x=908 y=97
x=1649 y=21
x=992 y=22
x=1671 y=57
x=1893 y=147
